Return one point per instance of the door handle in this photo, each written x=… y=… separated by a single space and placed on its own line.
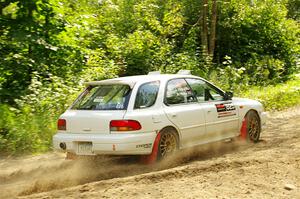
x=208 y=111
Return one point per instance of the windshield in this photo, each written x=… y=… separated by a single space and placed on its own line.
x=103 y=97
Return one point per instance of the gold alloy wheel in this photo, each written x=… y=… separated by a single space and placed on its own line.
x=253 y=128
x=168 y=144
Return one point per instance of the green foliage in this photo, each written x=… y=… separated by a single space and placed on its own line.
x=277 y=97
x=260 y=38
x=266 y=70
x=294 y=9
x=30 y=127
x=230 y=78
x=28 y=43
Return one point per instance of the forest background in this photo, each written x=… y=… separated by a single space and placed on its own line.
x=49 y=48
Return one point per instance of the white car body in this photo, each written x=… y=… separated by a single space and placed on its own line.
x=196 y=123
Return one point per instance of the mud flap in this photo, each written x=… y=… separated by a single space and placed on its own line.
x=152 y=158
x=243 y=134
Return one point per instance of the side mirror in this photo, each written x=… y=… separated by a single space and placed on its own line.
x=228 y=95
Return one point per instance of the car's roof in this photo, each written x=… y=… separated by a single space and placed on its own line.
x=132 y=80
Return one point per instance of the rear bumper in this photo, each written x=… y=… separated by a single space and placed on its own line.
x=109 y=144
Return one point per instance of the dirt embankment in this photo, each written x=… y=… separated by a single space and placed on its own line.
x=268 y=169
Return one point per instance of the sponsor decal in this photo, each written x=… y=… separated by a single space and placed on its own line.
x=227 y=114
x=225 y=110
x=145 y=146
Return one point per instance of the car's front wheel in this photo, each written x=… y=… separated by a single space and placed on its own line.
x=253 y=127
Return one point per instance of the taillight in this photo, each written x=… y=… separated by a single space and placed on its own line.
x=61 y=124
x=125 y=125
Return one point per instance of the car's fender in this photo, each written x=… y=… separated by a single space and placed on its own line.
x=245 y=105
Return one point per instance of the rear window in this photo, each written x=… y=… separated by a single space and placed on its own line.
x=103 y=97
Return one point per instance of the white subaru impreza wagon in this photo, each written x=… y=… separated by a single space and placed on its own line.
x=154 y=115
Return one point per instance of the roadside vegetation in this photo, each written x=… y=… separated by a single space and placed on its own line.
x=48 y=48
x=276 y=97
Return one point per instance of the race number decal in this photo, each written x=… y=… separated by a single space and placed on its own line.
x=225 y=110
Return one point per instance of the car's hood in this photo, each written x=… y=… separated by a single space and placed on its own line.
x=239 y=99
x=250 y=103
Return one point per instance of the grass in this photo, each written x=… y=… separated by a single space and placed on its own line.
x=276 y=97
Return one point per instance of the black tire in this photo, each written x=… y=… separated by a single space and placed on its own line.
x=168 y=143
x=253 y=126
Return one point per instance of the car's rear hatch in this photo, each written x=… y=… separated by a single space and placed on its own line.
x=96 y=107
x=90 y=121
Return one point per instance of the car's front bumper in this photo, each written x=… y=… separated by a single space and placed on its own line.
x=109 y=144
x=263 y=118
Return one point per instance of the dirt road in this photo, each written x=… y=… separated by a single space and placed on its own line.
x=268 y=169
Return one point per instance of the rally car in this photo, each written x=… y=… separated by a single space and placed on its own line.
x=154 y=115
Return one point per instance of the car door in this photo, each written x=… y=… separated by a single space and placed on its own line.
x=221 y=116
x=184 y=112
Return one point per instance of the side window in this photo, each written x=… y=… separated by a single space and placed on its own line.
x=212 y=93
x=198 y=87
x=204 y=91
x=146 y=95
x=178 y=92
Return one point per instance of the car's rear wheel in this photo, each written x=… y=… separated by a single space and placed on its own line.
x=253 y=127
x=168 y=143
x=165 y=144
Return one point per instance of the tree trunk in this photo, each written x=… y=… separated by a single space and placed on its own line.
x=212 y=39
x=30 y=17
x=204 y=29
